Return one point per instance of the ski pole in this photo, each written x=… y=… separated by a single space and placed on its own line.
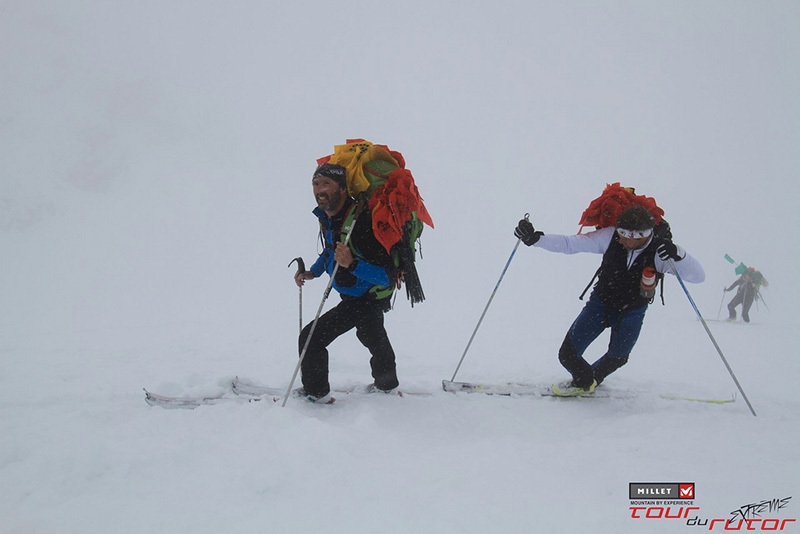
x=761 y=298
x=321 y=305
x=711 y=336
x=491 y=297
x=301 y=268
x=721 y=302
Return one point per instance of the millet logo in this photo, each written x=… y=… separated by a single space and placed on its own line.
x=661 y=490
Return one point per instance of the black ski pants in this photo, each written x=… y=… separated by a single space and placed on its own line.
x=744 y=296
x=366 y=316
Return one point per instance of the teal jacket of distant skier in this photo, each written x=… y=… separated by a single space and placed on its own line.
x=374 y=268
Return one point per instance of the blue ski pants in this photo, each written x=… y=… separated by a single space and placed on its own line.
x=595 y=317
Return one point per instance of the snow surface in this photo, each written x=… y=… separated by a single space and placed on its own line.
x=155 y=183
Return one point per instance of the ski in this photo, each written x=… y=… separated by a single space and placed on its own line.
x=244 y=392
x=243 y=388
x=544 y=390
x=510 y=389
x=694 y=399
x=154 y=399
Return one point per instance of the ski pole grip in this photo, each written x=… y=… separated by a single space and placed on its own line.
x=301 y=266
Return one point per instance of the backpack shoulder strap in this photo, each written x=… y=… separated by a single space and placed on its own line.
x=594 y=277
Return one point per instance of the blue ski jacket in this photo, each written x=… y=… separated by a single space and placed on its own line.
x=374 y=268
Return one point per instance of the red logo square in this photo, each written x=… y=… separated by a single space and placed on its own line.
x=686 y=491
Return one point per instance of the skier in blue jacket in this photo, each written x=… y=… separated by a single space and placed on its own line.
x=363 y=280
x=618 y=300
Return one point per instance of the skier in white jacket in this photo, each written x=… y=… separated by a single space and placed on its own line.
x=636 y=253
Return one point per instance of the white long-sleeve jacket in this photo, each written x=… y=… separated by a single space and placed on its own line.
x=597 y=242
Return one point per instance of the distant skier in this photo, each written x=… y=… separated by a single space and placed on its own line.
x=749 y=284
x=635 y=254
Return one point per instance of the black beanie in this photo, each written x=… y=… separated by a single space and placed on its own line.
x=334 y=172
x=636 y=217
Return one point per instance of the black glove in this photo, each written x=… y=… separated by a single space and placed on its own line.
x=526 y=233
x=668 y=250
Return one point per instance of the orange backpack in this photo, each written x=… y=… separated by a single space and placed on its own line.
x=398 y=212
x=604 y=210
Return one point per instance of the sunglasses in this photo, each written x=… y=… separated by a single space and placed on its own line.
x=634 y=234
